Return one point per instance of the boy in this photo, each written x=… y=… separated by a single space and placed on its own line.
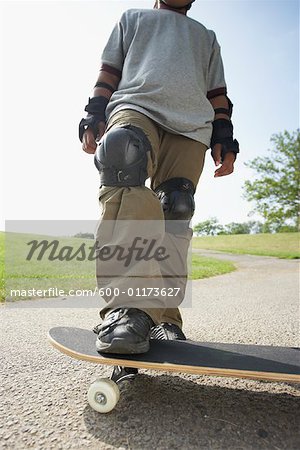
x=159 y=103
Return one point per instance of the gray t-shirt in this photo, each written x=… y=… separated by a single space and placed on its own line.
x=169 y=63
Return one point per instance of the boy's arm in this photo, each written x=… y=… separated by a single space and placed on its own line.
x=93 y=126
x=223 y=110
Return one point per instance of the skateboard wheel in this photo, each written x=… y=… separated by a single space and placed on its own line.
x=103 y=395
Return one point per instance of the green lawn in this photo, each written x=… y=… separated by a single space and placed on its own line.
x=23 y=274
x=203 y=267
x=2 y=283
x=282 y=245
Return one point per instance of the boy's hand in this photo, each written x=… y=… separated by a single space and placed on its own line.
x=89 y=143
x=227 y=166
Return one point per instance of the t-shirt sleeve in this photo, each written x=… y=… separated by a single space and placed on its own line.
x=216 y=84
x=113 y=53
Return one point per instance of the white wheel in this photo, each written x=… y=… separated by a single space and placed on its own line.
x=103 y=395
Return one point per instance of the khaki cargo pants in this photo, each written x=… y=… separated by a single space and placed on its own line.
x=172 y=156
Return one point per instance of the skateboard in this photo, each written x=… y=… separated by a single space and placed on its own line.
x=256 y=362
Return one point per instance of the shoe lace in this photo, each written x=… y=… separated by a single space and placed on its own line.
x=167 y=331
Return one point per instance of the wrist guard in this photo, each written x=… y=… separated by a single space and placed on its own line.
x=223 y=134
x=96 y=113
x=227 y=111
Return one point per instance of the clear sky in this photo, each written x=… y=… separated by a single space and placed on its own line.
x=51 y=58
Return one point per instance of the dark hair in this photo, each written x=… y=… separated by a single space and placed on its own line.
x=188 y=6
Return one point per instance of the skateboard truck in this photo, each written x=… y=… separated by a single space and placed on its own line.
x=120 y=374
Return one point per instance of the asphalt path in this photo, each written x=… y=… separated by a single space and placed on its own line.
x=43 y=393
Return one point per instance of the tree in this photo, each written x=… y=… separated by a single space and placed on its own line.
x=275 y=192
x=255 y=226
x=208 y=227
x=213 y=227
x=237 y=228
x=84 y=235
x=250 y=227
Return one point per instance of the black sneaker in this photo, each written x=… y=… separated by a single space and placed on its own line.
x=167 y=331
x=125 y=331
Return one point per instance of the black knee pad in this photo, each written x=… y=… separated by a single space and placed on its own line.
x=177 y=199
x=122 y=157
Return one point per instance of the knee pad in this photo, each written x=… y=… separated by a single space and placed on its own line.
x=122 y=157
x=177 y=198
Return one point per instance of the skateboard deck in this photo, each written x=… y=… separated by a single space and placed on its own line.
x=200 y=358
x=257 y=362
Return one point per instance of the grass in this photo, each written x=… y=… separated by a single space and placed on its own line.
x=23 y=274
x=281 y=245
x=2 y=282
x=203 y=267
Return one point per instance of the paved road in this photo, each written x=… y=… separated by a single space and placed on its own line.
x=43 y=393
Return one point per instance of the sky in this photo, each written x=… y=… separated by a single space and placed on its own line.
x=51 y=52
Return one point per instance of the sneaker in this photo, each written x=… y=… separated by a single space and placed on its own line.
x=167 y=331
x=124 y=331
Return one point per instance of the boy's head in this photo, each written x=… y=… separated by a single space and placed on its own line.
x=176 y=4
